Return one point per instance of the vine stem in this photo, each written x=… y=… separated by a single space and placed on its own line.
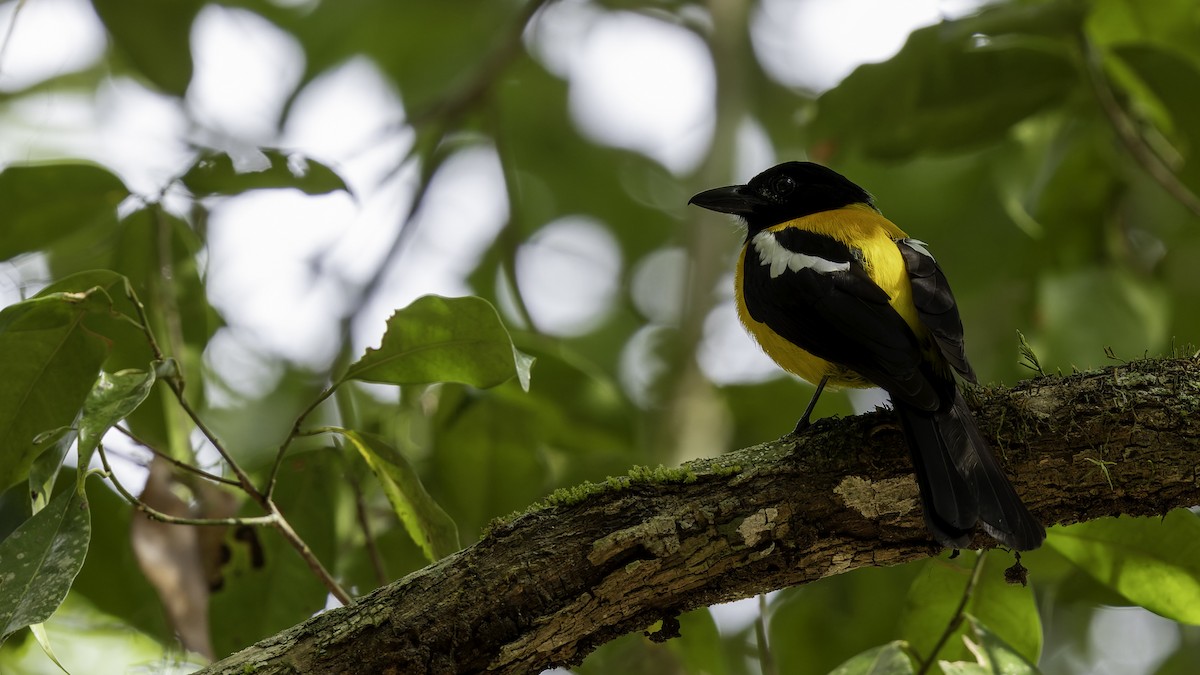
x=175 y=462
x=957 y=619
x=292 y=435
x=285 y=528
x=155 y=514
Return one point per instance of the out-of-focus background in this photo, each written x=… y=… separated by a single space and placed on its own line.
x=541 y=155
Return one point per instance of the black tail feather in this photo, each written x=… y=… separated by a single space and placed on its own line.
x=961 y=482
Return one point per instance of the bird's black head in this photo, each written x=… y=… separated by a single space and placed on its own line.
x=784 y=192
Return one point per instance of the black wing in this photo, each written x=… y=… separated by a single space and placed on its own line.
x=935 y=304
x=839 y=315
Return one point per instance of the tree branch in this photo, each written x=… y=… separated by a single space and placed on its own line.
x=550 y=586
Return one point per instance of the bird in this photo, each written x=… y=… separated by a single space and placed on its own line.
x=837 y=294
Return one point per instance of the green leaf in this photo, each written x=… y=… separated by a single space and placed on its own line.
x=43 y=203
x=807 y=631
x=1085 y=310
x=15 y=508
x=1169 y=24
x=993 y=656
x=111 y=579
x=40 y=559
x=112 y=398
x=43 y=640
x=936 y=593
x=44 y=471
x=487 y=460
x=428 y=525
x=155 y=36
x=398 y=555
x=963 y=668
x=217 y=174
x=438 y=339
x=1075 y=188
x=955 y=86
x=51 y=360
x=1153 y=562
x=580 y=413
x=699 y=647
x=128 y=347
x=889 y=659
x=89 y=641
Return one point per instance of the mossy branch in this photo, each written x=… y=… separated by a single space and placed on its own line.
x=549 y=586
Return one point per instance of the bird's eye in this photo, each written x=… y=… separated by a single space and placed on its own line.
x=783 y=186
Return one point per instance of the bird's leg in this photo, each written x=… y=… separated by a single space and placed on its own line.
x=804 y=422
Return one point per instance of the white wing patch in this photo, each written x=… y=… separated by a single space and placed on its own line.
x=780 y=258
x=918 y=246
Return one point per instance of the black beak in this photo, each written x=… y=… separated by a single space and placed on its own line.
x=739 y=200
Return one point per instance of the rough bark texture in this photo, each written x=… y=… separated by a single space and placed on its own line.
x=549 y=587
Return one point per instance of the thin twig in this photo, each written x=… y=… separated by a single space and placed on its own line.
x=360 y=506
x=256 y=521
x=285 y=528
x=175 y=462
x=348 y=413
x=459 y=102
x=287 y=442
x=349 y=417
x=509 y=238
x=167 y=297
x=766 y=661
x=1157 y=167
x=144 y=324
x=243 y=478
x=957 y=619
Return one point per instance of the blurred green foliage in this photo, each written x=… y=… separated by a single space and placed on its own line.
x=1049 y=152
